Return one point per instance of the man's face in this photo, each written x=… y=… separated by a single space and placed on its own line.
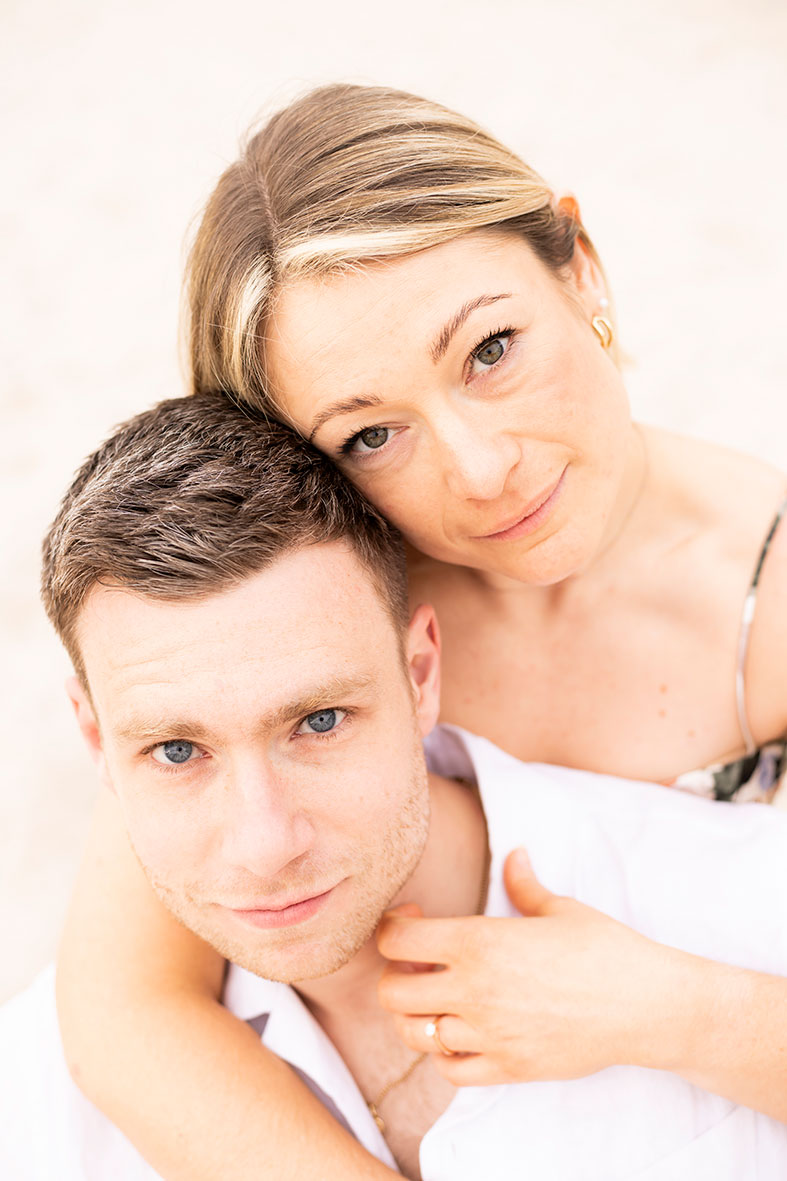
x=265 y=745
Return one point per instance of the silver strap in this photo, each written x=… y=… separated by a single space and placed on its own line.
x=749 y=604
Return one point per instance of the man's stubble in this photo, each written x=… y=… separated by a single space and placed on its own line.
x=287 y=954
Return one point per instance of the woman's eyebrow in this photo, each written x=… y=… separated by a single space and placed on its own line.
x=443 y=339
x=346 y=407
x=436 y=352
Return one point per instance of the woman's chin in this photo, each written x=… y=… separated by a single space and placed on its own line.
x=549 y=563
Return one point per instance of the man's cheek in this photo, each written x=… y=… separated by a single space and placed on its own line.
x=169 y=852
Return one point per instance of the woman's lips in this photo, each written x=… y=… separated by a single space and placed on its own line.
x=534 y=516
x=285 y=916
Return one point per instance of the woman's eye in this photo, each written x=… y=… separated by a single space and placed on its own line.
x=489 y=352
x=174 y=753
x=370 y=439
x=322 y=722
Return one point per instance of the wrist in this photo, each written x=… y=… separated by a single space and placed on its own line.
x=699 y=1003
x=684 y=1011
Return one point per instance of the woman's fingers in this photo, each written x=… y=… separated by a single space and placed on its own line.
x=471 y=1070
x=462 y=953
x=454 y=1034
x=524 y=889
x=417 y=993
x=416 y=940
x=559 y=991
x=431 y=941
x=460 y=1057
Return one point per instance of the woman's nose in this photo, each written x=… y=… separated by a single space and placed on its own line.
x=478 y=460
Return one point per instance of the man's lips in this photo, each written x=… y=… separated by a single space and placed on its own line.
x=284 y=915
x=528 y=521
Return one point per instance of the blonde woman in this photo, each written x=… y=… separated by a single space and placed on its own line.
x=386 y=277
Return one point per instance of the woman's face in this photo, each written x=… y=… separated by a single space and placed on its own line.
x=464 y=391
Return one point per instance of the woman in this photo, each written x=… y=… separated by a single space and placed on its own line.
x=410 y=296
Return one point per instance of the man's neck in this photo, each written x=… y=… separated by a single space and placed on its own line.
x=446 y=882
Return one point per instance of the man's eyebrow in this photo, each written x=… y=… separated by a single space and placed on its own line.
x=329 y=694
x=346 y=407
x=143 y=728
x=443 y=338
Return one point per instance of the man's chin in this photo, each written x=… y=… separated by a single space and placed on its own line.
x=285 y=956
x=311 y=959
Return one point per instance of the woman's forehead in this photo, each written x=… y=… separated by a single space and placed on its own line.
x=377 y=308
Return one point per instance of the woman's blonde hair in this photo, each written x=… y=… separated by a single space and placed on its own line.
x=343 y=175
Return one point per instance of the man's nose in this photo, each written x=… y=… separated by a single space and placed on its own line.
x=477 y=457
x=264 y=827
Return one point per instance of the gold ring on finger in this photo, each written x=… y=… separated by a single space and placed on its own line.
x=431 y=1029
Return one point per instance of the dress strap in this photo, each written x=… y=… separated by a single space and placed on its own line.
x=745 y=632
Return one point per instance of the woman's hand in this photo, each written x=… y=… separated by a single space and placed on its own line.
x=560 y=993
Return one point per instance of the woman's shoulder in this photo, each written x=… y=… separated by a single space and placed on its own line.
x=729 y=498
x=727 y=483
x=736 y=504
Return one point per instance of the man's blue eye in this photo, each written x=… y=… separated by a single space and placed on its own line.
x=322 y=721
x=174 y=752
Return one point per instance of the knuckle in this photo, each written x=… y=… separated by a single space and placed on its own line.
x=473 y=941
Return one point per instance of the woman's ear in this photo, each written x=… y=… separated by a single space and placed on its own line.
x=588 y=280
x=568 y=204
x=86 y=720
x=423 y=664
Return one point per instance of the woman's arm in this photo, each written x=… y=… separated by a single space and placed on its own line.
x=147 y=1041
x=576 y=991
x=734 y=1034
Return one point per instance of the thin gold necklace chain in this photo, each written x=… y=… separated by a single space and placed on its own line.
x=374 y=1104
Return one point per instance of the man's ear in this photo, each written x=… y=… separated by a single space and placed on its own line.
x=587 y=278
x=423 y=663
x=86 y=720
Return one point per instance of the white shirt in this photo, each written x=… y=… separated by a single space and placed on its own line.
x=708 y=878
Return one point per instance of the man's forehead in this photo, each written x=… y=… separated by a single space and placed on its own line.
x=312 y=615
x=287 y=589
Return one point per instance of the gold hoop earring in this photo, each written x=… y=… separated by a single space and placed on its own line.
x=603 y=330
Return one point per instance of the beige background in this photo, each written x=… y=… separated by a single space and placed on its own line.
x=667 y=119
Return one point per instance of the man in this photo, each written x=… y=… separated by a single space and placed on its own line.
x=251 y=688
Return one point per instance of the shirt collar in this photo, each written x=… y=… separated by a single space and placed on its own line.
x=291 y=1031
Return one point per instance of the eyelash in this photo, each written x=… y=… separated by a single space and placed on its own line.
x=327 y=735
x=488 y=338
x=346 y=447
x=171 y=769
x=348 y=444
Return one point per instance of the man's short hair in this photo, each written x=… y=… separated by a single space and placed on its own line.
x=194 y=496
